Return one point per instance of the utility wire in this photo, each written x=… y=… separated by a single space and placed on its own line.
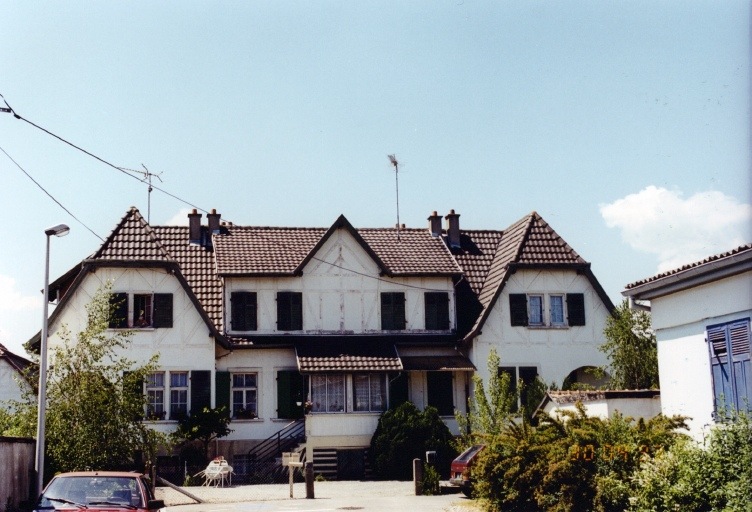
x=50 y=195
x=127 y=173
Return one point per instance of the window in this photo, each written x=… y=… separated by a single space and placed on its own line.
x=243 y=305
x=369 y=392
x=535 y=311
x=392 y=311
x=729 y=346
x=289 y=311
x=328 y=393
x=437 y=311
x=557 y=309
x=441 y=392
x=244 y=395
x=147 y=310
x=530 y=310
x=178 y=395
x=155 y=396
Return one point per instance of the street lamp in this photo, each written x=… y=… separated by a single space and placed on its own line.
x=59 y=230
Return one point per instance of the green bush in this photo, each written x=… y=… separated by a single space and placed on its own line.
x=404 y=434
x=578 y=463
x=692 y=478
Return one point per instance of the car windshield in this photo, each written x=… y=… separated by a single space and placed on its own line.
x=469 y=453
x=67 y=492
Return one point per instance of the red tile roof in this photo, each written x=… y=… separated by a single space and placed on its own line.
x=484 y=258
x=711 y=259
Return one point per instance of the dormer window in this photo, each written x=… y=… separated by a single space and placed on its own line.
x=289 y=311
x=392 y=311
x=243 y=312
x=547 y=310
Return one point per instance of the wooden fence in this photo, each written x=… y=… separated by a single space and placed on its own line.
x=17 y=474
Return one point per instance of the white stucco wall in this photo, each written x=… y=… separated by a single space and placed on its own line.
x=680 y=321
x=555 y=351
x=184 y=347
x=336 y=300
x=11 y=384
x=606 y=408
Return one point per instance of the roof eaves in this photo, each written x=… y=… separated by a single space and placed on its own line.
x=694 y=275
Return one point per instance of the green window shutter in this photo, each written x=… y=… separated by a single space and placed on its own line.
x=243 y=311
x=162 y=310
x=437 y=311
x=118 y=310
x=290 y=391
x=518 y=309
x=289 y=311
x=222 y=390
x=576 y=309
x=200 y=390
x=392 y=311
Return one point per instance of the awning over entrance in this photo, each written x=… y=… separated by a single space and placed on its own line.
x=347 y=355
x=376 y=354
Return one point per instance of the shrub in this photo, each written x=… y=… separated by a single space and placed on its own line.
x=404 y=434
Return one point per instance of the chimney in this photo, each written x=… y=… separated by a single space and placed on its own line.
x=213 y=219
x=434 y=225
x=453 y=229
x=194 y=227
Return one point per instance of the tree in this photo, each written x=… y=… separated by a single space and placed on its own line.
x=204 y=426
x=93 y=414
x=631 y=349
x=488 y=413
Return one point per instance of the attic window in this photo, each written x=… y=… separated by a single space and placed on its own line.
x=392 y=311
x=289 y=311
x=140 y=310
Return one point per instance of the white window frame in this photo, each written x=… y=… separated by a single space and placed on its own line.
x=552 y=321
x=540 y=310
x=155 y=387
x=375 y=386
x=245 y=389
x=324 y=388
x=177 y=389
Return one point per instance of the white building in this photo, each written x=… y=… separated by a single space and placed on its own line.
x=13 y=381
x=262 y=320
x=701 y=316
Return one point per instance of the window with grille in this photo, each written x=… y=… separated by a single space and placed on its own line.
x=244 y=395
x=369 y=392
x=328 y=392
x=155 y=396
x=178 y=395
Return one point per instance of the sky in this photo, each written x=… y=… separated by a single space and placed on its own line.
x=625 y=125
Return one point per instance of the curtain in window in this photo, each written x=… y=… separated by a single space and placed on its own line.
x=557 y=310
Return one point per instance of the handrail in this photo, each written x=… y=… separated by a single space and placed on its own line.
x=272 y=447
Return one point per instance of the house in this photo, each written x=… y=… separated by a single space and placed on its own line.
x=604 y=403
x=273 y=322
x=701 y=316
x=13 y=378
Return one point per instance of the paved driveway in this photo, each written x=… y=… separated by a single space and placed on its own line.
x=329 y=497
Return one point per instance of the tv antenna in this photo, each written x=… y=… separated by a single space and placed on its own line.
x=395 y=164
x=147 y=176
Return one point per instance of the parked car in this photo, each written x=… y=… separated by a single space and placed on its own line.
x=460 y=469
x=98 y=491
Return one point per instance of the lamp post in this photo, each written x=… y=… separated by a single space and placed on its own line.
x=59 y=230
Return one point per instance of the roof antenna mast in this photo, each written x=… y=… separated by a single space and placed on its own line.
x=395 y=164
x=147 y=177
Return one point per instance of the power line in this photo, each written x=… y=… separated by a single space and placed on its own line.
x=50 y=195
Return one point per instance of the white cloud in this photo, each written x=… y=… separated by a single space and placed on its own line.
x=180 y=218
x=12 y=300
x=678 y=230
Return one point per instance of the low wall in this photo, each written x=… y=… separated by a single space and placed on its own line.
x=17 y=476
